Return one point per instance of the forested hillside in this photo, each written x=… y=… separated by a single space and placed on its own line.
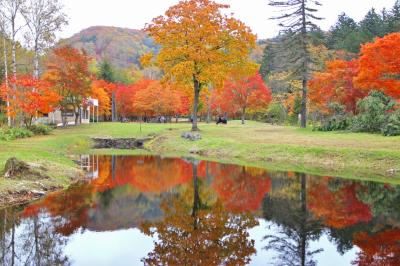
x=120 y=46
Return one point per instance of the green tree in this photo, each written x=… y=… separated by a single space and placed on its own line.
x=106 y=72
x=394 y=17
x=344 y=35
x=371 y=26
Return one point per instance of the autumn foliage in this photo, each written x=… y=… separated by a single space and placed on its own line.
x=340 y=208
x=151 y=98
x=346 y=82
x=200 y=45
x=101 y=90
x=30 y=97
x=240 y=189
x=68 y=74
x=239 y=96
x=380 y=66
x=381 y=248
x=336 y=85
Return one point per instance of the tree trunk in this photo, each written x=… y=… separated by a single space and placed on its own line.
x=14 y=67
x=36 y=62
x=37 y=236
x=303 y=232
x=76 y=116
x=63 y=118
x=14 y=59
x=13 y=240
x=196 y=195
x=208 y=110
x=6 y=81
x=3 y=242
x=195 y=104
x=243 y=115
x=113 y=108
x=113 y=166
x=303 y=122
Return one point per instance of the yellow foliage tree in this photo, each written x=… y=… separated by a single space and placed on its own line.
x=200 y=45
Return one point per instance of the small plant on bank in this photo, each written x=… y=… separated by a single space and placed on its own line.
x=8 y=134
x=41 y=129
x=15 y=133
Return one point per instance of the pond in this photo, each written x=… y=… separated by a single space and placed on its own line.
x=135 y=210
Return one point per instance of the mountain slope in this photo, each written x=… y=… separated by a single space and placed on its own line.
x=121 y=46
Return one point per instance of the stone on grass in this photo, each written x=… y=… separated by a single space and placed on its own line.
x=193 y=136
x=119 y=143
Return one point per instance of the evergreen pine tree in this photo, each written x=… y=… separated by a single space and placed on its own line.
x=297 y=20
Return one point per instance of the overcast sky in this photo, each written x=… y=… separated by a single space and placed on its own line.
x=254 y=13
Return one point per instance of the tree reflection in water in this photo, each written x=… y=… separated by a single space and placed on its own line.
x=296 y=226
x=36 y=243
x=201 y=212
x=200 y=232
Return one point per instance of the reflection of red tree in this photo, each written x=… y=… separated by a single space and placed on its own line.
x=146 y=173
x=338 y=209
x=380 y=249
x=68 y=208
x=241 y=189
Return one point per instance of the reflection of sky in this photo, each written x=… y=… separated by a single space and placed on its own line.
x=117 y=248
x=128 y=247
x=328 y=257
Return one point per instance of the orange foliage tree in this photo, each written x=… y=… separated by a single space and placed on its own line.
x=246 y=93
x=382 y=248
x=100 y=91
x=75 y=214
x=380 y=66
x=157 y=99
x=151 y=98
x=31 y=98
x=125 y=96
x=335 y=85
x=146 y=173
x=241 y=189
x=200 y=45
x=340 y=208
x=68 y=73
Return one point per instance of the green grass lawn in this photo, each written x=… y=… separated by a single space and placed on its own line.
x=348 y=155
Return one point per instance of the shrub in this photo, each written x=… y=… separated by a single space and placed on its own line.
x=337 y=122
x=40 y=129
x=340 y=120
x=276 y=114
x=3 y=119
x=15 y=133
x=373 y=113
x=392 y=125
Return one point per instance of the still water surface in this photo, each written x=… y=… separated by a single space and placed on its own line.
x=135 y=210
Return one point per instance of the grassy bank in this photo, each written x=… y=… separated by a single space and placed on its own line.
x=349 y=155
